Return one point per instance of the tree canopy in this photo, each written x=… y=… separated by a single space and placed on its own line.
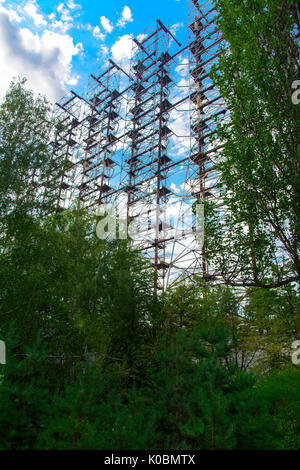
x=95 y=358
x=256 y=243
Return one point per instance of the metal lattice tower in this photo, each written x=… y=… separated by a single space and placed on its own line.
x=205 y=40
x=140 y=140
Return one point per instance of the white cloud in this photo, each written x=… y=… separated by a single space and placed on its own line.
x=31 y=10
x=121 y=50
x=73 y=6
x=64 y=21
x=140 y=37
x=126 y=14
x=183 y=67
x=60 y=7
x=66 y=17
x=61 y=26
x=174 y=188
x=126 y=17
x=97 y=33
x=175 y=27
x=45 y=59
x=106 y=24
x=104 y=51
x=13 y=15
x=73 y=81
x=96 y=30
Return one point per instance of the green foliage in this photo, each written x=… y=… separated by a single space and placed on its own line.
x=196 y=387
x=190 y=393
x=257 y=242
x=60 y=281
x=274 y=409
x=95 y=360
x=25 y=163
x=269 y=326
x=97 y=413
x=25 y=393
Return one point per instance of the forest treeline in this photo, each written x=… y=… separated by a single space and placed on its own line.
x=95 y=359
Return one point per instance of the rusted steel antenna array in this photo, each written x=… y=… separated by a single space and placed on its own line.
x=100 y=141
x=204 y=44
x=140 y=140
x=143 y=188
x=61 y=186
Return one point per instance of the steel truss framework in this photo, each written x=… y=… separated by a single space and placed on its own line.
x=121 y=143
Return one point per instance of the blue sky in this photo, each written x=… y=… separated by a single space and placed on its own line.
x=57 y=44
